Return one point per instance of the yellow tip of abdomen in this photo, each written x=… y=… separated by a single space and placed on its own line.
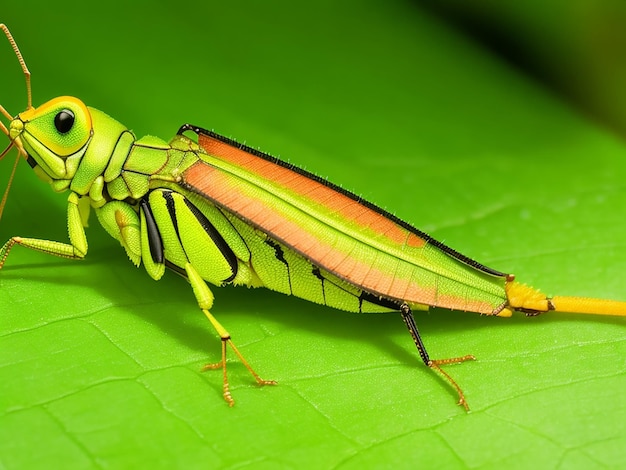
x=527 y=299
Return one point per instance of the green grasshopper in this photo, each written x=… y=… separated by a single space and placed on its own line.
x=216 y=211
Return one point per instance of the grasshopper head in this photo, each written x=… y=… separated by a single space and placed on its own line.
x=54 y=135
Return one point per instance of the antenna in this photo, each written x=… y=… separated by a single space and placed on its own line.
x=18 y=54
x=14 y=143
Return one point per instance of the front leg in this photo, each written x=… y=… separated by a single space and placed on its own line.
x=76 y=249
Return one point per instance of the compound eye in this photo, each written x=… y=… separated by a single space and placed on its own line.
x=63 y=121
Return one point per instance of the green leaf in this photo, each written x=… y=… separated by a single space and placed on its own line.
x=101 y=367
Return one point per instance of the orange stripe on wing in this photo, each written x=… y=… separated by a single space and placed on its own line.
x=321 y=194
x=218 y=186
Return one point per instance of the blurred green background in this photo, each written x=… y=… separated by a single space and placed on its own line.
x=577 y=48
x=400 y=102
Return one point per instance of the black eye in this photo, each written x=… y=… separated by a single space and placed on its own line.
x=64 y=121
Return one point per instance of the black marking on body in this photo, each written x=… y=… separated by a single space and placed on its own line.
x=446 y=249
x=378 y=300
x=363 y=296
x=208 y=227
x=177 y=269
x=216 y=238
x=278 y=251
x=318 y=274
x=31 y=161
x=154 y=236
x=171 y=210
x=280 y=256
x=221 y=211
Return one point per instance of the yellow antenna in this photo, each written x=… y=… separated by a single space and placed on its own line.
x=18 y=54
x=14 y=143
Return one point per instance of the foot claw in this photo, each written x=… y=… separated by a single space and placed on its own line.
x=435 y=364
x=229 y=398
x=453 y=360
x=464 y=404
